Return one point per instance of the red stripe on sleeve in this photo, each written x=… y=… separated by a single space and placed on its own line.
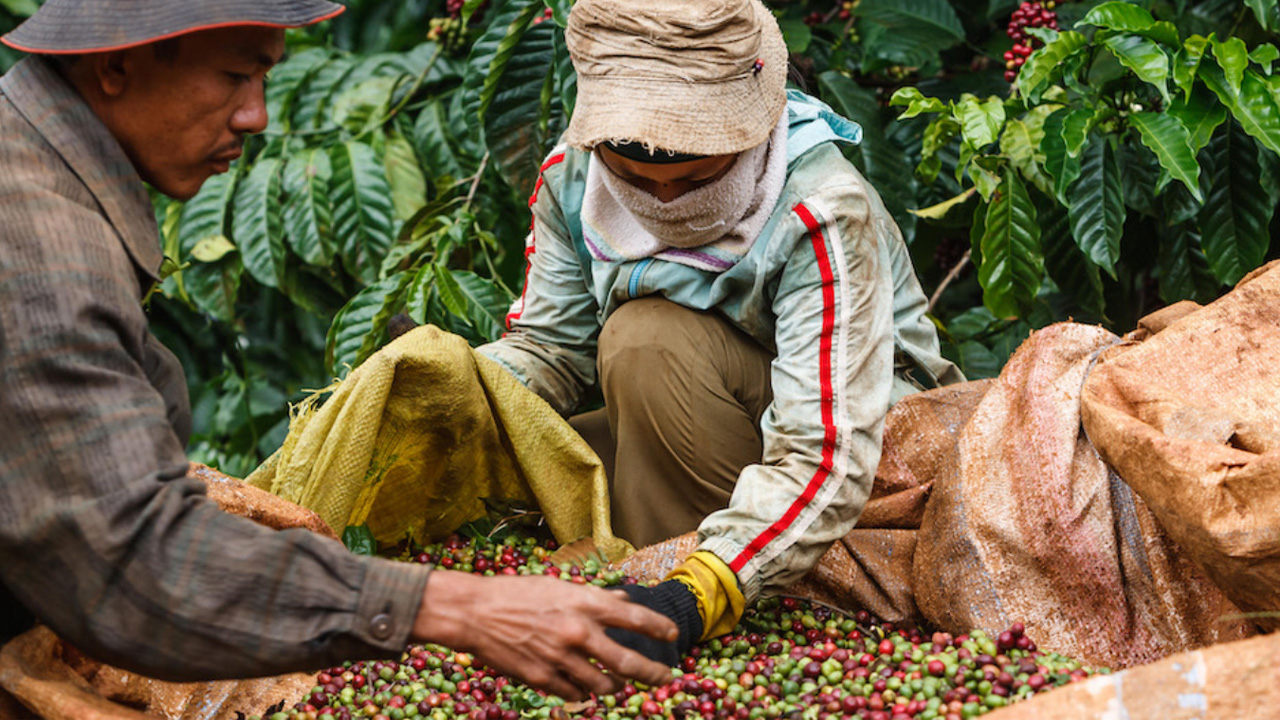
x=827 y=391
x=529 y=251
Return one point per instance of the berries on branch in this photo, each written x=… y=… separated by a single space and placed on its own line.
x=1028 y=15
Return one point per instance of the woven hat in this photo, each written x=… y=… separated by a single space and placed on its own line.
x=696 y=77
x=62 y=27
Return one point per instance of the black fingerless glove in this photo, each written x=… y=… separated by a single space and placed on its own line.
x=673 y=599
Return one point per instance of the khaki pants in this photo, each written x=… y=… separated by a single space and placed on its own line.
x=684 y=391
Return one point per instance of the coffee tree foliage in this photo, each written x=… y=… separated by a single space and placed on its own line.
x=1132 y=163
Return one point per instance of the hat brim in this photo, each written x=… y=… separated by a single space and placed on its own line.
x=695 y=118
x=64 y=27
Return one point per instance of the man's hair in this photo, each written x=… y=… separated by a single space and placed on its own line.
x=166 y=51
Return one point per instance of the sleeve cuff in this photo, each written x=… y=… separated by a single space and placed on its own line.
x=388 y=604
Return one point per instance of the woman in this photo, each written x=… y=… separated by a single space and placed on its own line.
x=748 y=302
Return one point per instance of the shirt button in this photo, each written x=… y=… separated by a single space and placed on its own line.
x=380 y=626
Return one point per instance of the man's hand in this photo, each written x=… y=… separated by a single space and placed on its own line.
x=541 y=630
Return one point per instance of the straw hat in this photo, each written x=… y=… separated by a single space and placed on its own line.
x=697 y=77
x=64 y=27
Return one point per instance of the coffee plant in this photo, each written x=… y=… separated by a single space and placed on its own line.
x=788 y=658
x=1045 y=161
x=1124 y=128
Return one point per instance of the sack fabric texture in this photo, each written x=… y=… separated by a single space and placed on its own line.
x=427 y=435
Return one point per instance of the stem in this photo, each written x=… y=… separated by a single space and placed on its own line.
x=475 y=182
x=950 y=278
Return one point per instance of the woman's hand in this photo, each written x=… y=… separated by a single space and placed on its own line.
x=543 y=631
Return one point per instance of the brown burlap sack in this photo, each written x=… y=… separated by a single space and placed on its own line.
x=1234 y=681
x=43 y=677
x=871 y=567
x=1190 y=418
x=1030 y=525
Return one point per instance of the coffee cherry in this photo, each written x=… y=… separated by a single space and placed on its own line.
x=787 y=658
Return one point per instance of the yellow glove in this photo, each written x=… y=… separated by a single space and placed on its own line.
x=720 y=602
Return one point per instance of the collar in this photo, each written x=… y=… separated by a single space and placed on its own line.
x=61 y=116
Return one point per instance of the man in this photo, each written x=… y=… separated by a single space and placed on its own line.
x=102 y=535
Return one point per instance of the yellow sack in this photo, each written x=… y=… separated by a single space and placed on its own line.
x=422 y=433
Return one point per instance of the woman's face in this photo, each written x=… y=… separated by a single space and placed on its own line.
x=667 y=181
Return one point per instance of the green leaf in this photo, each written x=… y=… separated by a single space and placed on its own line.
x=921 y=21
x=212 y=249
x=1265 y=55
x=361 y=324
x=1186 y=63
x=980 y=121
x=985 y=173
x=1262 y=11
x=1233 y=58
x=258 y=228
x=797 y=34
x=365 y=104
x=1165 y=136
x=1058 y=162
x=937 y=135
x=359 y=540
x=20 y=8
x=1021 y=143
x=1140 y=173
x=311 y=103
x=1096 y=209
x=408 y=184
x=1237 y=210
x=213 y=287
x=1044 y=62
x=438 y=143
x=1145 y=58
x=419 y=294
x=1118 y=16
x=286 y=81
x=1012 y=264
x=363 y=217
x=1182 y=266
x=1253 y=106
x=487 y=303
x=511 y=35
x=934 y=16
x=1075 y=130
x=523 y=117
x=454 y=300
x=1200 y=113
x=916 y=102
x=308 y=212
x=1067 y=264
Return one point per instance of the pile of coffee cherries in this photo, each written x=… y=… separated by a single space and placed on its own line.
x=1028 y=15
x=787 y=659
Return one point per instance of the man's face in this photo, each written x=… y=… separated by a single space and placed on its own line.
x=182 y=119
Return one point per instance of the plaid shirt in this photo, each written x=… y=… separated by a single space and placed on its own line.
x=102 y=535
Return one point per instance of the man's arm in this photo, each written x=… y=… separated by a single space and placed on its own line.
x=107 y=540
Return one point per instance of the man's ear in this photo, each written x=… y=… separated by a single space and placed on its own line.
x=110 y=72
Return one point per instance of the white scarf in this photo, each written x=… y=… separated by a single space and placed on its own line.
x=710 y=228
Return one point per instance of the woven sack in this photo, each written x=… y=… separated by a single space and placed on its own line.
x=1190 y=419
x=427 y=435
x=41 y=676
x=1030 y=525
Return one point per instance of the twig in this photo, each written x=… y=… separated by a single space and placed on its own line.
x=951 y=276
x=475 y=183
